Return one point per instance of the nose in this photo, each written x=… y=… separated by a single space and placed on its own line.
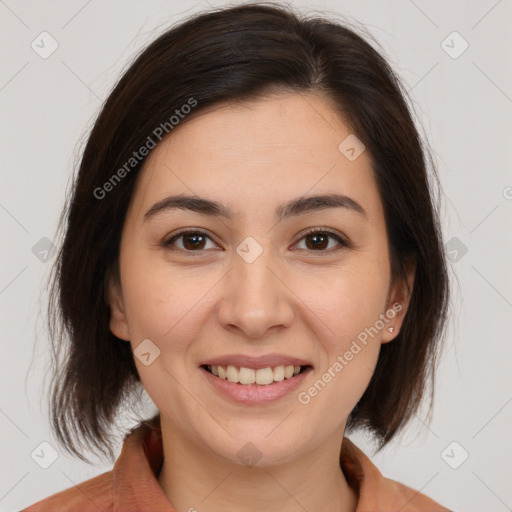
x=256 y=300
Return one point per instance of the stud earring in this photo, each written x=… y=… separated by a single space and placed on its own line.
x=391 y=329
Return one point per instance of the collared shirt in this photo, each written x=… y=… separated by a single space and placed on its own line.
x=132 y=485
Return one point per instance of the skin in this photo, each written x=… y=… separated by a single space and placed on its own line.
x=293 y=299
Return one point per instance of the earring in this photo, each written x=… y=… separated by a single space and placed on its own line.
x=391 y=329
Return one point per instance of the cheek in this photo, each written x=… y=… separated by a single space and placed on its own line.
x=168 y=307
x=351 y=340
x=349 y=301
x=164 y=304
x=349 y=306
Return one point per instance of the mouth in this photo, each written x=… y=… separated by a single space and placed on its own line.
x=255 y=380
x=245 y=376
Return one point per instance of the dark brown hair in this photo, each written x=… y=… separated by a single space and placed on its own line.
x=227 y=55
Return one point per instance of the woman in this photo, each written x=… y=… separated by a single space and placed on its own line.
x=251 y=239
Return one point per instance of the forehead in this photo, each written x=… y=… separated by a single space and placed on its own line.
x=250 y=154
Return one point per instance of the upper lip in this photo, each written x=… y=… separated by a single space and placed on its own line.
x=256 y=362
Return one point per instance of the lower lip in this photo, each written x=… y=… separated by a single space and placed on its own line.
x=255 y=393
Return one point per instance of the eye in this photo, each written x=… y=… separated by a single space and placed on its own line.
x=317 y=239
x=191 y=241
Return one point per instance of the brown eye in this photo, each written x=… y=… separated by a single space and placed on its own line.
x=197 y=241
x=191 y=241
x=319 y=240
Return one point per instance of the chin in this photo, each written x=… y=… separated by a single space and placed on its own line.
x=258 y=448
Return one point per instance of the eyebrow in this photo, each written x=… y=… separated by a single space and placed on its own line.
x=298 y=206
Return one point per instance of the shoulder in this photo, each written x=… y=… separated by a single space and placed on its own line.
x=130 y=480
x=407 y=499
x=377 y=492
x=91 y=495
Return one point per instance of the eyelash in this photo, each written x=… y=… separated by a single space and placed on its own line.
x=311 y=231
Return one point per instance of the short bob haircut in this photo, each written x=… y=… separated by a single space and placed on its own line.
x=234 y=54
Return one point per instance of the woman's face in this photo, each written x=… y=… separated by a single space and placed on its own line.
x=248 y=286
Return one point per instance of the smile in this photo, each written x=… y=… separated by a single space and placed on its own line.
x=251 y=386
x=261 y=377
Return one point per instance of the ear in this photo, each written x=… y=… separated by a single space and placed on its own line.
x=398 y=303
x=115 y=300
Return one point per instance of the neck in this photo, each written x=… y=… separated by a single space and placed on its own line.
x=194 y=478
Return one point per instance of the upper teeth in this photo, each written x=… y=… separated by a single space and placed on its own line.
x=262 y=376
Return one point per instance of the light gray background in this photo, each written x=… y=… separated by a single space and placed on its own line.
x=465 y=107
